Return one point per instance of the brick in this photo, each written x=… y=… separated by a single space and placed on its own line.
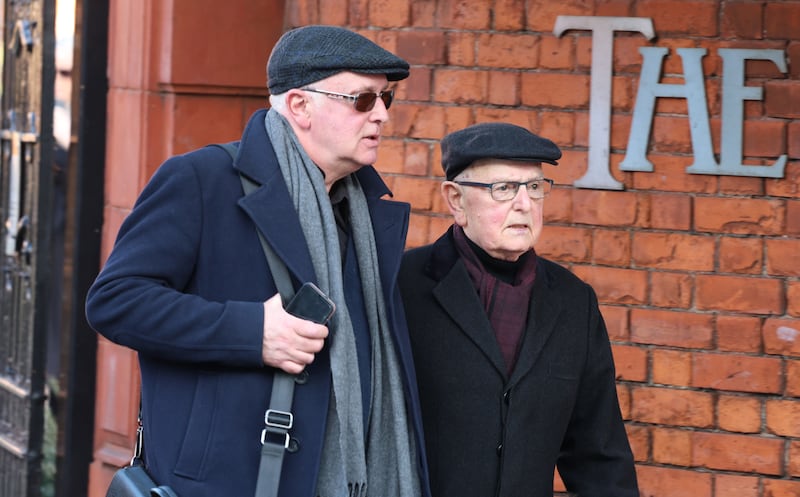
x=780 y=20
x=565 y=243
x=670 y=175
x=419 y=192
x=793 y=298
x=672 y=482
x=672 y=367
x=738 y=334
x=423 y=14
x=509 y=15
x=782 y=336
x=740 y=255
x=671 y=290
x=788 y=186
x=461 y=49
x=768 y=138
x=557 y=126
x=672 y=328
x=673 y=251
x=606 y=208
x=782 y=99
x=671 y=135
x=421 y=47
x=673 y=407
x=418 y=226
x=542 y=14
x=671 y=211
x=793 y=217
x=670 y=16
x=558 y=207
x=615 y=286
x=611 y=247
x=739 y=185
x=742 y=20
x=737 y=373
x=616 y=319
x=556 y=53
x=783 y=257
x=563 y=91
x=739 y=294
x=390 y=156
x=739 y=414
x=735 y=486
x=630 y=362
x=389 y=13
x=624 y=399
x=463 y=14
x=639 y=440
x=672 y=446
x=781 y=488
x=417 y=158
x=743 y=453
x=739 y=215
x=783 y=416
x=460 y=86
x=793 y=379
x=508 y=51
x=794 y=458
x=503 y=88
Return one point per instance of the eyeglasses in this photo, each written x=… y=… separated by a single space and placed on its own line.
x=503 y=191
x=363 y=102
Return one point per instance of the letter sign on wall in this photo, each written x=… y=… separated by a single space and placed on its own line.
x=734 y=93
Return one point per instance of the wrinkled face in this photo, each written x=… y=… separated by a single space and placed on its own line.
x=505 y=230
x=341 y=139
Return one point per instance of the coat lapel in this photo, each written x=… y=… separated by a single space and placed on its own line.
x=269 y=206
x=542 y=318
x=456 y=294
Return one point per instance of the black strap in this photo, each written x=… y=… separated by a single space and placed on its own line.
x=278 y=418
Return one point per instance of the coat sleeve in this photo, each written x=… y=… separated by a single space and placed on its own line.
x=146 y=297
x=596 y=458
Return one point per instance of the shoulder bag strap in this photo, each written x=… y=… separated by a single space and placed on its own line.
x=278 y=418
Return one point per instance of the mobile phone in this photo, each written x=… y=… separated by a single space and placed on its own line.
x=310 y=303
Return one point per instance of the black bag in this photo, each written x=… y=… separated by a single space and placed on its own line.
x=133 y=481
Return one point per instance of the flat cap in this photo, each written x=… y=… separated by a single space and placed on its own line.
x=311 y=53
x=496 y=141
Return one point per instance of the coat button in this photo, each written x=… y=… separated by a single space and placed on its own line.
x=499 y=449
x=301 y=378
x=507 y=396
x=294 y=446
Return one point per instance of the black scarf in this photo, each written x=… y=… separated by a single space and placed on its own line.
x=504 y=289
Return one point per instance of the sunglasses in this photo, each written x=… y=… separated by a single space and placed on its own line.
x=363 y=102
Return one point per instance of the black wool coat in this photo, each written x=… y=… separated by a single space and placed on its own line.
x=488 y=434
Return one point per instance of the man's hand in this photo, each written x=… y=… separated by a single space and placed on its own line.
x=289 y=343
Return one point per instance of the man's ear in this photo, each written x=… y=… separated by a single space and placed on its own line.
x=453 y=198
x=298 y=105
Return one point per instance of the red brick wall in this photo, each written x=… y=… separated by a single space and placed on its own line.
x=698 y=275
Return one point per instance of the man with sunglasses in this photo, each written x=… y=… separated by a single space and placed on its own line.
x=513 y=361
x=187 y=285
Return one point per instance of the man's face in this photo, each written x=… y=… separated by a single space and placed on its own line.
x=507 y=229
x=342 y=139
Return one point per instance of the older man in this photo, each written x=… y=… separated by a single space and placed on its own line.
x=513 y=360
x=188 y=287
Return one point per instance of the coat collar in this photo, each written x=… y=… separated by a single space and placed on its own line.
x=280 y=224
x=456 y=294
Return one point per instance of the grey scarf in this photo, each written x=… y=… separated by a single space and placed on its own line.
x=381 y=461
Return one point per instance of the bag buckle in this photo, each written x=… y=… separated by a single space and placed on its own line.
x=278 y=424
x=279 y=419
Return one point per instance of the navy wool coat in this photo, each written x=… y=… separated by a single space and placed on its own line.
x=184 y=287
x=489 y=434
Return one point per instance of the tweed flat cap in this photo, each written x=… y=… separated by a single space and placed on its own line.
x=496 y=141
x=311 y=53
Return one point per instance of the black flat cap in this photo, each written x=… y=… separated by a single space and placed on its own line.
x=494 y=141
x=311 y=53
